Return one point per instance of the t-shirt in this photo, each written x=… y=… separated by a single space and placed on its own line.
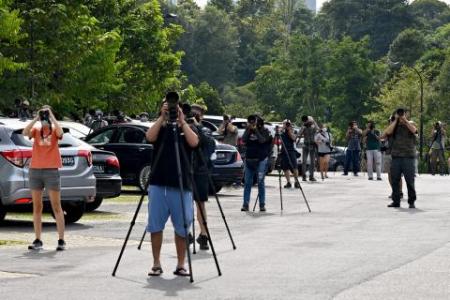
x=438 y=141
x=258 y=145
x=164 y=167
x=403 y=142
x=308 y=134
x=287 y=141
x=323 y=140
x=230 y=137
x=45 y=153
x=354 y=140
x=372 y=142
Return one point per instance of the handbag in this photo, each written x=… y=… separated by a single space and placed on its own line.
x=252 y=163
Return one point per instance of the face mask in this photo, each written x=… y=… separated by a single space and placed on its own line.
x=45 y=123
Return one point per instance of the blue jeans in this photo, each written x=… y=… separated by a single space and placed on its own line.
x=352 y=158
x=249 y=174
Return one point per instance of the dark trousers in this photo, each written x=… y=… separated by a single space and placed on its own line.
x=352 y=158
x=405 y=166
x=311 y=152
x=437 y=154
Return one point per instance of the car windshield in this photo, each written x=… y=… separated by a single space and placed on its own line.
x=67 y=141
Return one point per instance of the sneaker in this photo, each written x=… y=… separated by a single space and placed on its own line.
x=393 y=205
x=190 y=238
x=202 y=240
x=370 y=178
x=262 y=208
x=297 y=185
x=356 y=174
x=312 y=179
x=412 y=206
x=288 y=185
x=304 y=178
x=345 y=174
x=244 y=208
x=379 y=178
x=61 y=245
x=36 y=245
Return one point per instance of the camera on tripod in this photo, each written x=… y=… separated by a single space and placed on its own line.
x=173 y=99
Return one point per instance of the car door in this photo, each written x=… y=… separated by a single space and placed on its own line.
x=102 y=138
x=132 y=150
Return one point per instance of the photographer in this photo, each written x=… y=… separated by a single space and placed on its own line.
x=202 y=167
x=43 y=172
x=437 y=148
x=308 y=132
x=98 y=122
x=323 y=140
x=164 y=189
x=403 y=152
x=289 y=155
x=352 y=154
x=229 y=131
x=372 y=140
x=257 y=140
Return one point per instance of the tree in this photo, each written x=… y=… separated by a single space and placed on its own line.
x=225 y=5
x=430 y=14
x=407 y=47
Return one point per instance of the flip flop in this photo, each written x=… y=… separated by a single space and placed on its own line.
x=156 y=271
x=180 y=271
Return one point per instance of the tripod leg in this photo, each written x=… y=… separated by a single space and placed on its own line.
x=194 y=251
x=256 y=201
x=142 y=239
x=128 y=235
x=205 y=224
x=281 y=193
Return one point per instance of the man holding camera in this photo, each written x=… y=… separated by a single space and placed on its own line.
x=229 y=131
x=43 y=172
x=372 y=140
x=258 y=141
x=403 y=152
x=164 y=188
x=437 y=148
x=289 y=154
x=308 y=132
x=353 y=136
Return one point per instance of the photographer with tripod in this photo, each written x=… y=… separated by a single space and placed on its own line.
x=437 y=149
x=165 y=188
x=258 y=143
x=288 y=136
x=308 y=132
x=372 y=140
x=403 y=152
x=352 y=155
x=43 y=172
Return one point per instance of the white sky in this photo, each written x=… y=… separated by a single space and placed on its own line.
x=319 y=2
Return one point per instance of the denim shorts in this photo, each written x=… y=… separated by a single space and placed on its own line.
x=44 y=178
x=165 y=201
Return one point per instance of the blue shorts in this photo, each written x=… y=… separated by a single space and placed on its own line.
x=165 y=201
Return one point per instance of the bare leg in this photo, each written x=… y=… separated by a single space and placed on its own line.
x=55 y=200
x=201 y=205
x=326 y=163
x=287 y=174
x=36 y=195
x=296 y=173
x=156 y=239
x=180 y=244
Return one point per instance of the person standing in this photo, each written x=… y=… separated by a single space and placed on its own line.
x=372 y=140
x=289 y=154
x=229 y=131
x=164 y=187
x=323 y=140
x=437 y=149
x=44 y=173
x=353 y=136
x=308 y=132
x=202 y=168
x=257 y=140
x=403 y=152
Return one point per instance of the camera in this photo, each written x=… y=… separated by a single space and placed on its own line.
x=437 y=126
x=189 y=116
x=400 y=112
x=44 y=115
x=226 y=118
x=172 y=99
x=288 y=124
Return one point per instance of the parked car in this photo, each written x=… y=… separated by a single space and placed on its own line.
x=76 y=129
x=78 y=183
x=135 y=155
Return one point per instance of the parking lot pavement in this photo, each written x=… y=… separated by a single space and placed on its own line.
x=350 y=247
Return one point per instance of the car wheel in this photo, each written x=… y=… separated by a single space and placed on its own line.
x=339 y=168
x=2 y=213
x=73 y=211
x=91 y=206
x=144 y=173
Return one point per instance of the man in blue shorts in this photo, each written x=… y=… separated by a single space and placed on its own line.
x=164 y=188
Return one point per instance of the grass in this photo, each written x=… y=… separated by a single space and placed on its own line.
x=123 y=199
x=28 y=216
x=100 y=215
x=11 y=242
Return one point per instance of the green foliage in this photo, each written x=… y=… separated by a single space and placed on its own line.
x=407 y=47
x=430 y=14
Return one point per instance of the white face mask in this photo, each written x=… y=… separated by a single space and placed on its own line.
x=45 y=123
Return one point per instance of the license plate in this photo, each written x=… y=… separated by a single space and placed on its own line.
x=99 y=169
x=220 y=155
x=68 y=161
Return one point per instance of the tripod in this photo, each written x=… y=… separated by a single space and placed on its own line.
x=171 y=126
x=279 y=140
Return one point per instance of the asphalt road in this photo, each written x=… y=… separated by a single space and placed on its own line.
x=350 y=247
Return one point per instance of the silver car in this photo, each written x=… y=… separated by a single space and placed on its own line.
x=77 y=177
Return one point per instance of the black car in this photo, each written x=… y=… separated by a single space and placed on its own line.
x=135 y=155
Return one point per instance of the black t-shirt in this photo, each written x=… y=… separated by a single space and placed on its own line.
x=164 y=169
x=287 y=141
x=258 y=143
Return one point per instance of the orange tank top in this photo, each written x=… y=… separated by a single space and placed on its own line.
x=45 y=154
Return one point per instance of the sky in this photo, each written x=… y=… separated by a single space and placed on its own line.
x=319 y=2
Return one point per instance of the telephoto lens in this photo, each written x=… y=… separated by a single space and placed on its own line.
x=172 y=99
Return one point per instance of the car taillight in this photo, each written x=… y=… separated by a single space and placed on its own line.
x=17 y=157
x=86 y=154
x=113 y=162
x=238 y=157
x=23 y=201
x=277 y=142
